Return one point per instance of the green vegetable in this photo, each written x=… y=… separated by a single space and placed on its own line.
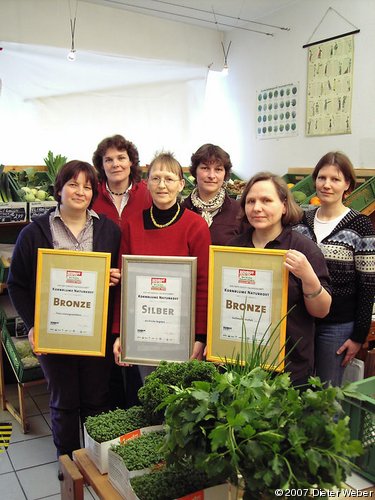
x=23 y=347
x=30 y=361
x=299 y=196
x=171 y=482
x=141 y=452
x=263 y=428
x=112 y=424
x=158 y=385
x=54 y=163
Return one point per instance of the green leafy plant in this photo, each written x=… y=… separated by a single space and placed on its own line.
x=262 y=428
x=171 y=482
x=112 y=424
x=158 y=385
x=141 y=452
x=54 y=163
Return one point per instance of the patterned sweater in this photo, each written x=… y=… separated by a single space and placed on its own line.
x=350 y=255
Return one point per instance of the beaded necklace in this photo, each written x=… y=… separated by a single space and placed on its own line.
x=160 y=226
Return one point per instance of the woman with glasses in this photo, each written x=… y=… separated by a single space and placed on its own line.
x=211 y=167
x=166 y=228
x=121 y=194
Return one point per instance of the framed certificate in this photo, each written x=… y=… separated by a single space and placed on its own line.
x=247 y=304
x=157 y=308
x=71 y=302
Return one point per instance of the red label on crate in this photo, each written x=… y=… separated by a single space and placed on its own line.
x=130 y=435
x=197 y=495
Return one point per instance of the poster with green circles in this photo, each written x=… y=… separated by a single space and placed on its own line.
x=276 y=115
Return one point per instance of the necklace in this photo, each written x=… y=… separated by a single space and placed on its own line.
x=117 y=194
x=160 y=226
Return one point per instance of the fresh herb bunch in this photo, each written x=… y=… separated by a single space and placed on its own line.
x=158 y=385
x=142 y=452
x=112 y=424
x=171 y=482
x=263 y=428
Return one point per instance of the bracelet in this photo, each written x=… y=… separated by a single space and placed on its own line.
x=314 y=294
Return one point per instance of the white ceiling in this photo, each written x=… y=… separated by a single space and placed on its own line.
x=46 y=72
x=224 y=15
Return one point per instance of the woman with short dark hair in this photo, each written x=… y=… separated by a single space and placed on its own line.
x=211 y=167
x=78 y=385
x=121 y=189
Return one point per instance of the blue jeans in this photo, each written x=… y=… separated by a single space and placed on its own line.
x=328 y=339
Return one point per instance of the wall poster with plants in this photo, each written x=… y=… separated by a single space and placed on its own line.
x=329 y=87
x=277 y=111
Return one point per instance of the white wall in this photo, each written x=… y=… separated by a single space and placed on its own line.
x=255 y=62
x=258 y=62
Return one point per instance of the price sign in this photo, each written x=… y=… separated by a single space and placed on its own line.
x=38 y=208
x=15 y=211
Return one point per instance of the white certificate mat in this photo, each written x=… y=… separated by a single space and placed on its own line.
x=157 y=308
x=247 y=295
x=72 y=302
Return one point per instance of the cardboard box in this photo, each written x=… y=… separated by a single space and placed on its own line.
x=98 y=452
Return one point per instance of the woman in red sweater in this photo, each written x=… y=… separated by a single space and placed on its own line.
x=166 y=228
x=122 y=193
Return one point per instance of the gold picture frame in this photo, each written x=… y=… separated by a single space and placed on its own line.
x=247 y=297
x=71 y=305
x=157 y=309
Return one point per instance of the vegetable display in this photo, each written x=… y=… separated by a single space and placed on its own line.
x=23 y=347
x=261 y=427
x=112 y=424
x=171 y=482
x=158 y=385
x=142 y=452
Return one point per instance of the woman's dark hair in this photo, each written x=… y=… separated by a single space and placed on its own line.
x=293 y=212
x=342 y=163
x=117 y=142
x=207 y=153
x=71 y=170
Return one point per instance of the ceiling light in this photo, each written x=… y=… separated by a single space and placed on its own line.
x=72 y=55
x=225 y=70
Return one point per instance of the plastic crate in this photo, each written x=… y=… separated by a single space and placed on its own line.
x=362 y=196
x=294 y=178
x=362 y=424
x=22 y=374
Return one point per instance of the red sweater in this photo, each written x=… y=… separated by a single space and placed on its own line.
x=139 y=199
x=189 y=237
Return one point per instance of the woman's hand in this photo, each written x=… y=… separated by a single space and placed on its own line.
x=198 y=351
x=117 y=353
x=31 y=340
x=351 y=349
x=114 y=276
x=298 y=264
x=317 y=299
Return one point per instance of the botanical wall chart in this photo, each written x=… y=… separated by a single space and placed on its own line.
x=277 y=112
x=329 y=87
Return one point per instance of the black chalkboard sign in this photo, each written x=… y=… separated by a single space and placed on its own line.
x=13 y=212
x=38 y=209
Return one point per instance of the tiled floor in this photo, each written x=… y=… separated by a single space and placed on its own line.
x=28 y=469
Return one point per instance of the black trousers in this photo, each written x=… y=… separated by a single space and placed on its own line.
x=79 y=387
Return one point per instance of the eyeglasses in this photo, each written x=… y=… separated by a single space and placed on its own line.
x=168 y=181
